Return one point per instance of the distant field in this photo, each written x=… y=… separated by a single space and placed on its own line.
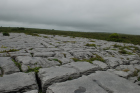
x=135 y=39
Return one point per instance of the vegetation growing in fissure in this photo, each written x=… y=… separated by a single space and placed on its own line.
x=99 y=58
x=10 y=50
x=17 y=64
x=36 y=69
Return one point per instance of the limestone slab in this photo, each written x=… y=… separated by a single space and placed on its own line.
x=112 y=61
x=18 y=83
x=44 y=54
x=56 y=74
x=84 y=68
x=32 y=91
x=8 y=66
x=100 y=64
x=32 y=62
x=114 y=83
x=82 y=55
x=80 y=85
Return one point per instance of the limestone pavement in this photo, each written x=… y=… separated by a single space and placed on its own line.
x=64 y=64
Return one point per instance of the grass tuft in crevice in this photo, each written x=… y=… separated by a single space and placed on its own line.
x=58 y=61
x=99 y=58
x=10 y=50
x=2 y=72
x=17 y=64
x=36 y=69
x=90 y=45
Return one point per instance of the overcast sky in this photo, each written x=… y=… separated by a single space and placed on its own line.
x=120 y=16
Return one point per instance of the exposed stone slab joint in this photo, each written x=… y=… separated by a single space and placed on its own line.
x=105 y=88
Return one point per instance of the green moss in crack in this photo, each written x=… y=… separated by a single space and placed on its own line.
x=113 y=49
x=36 y=69
x=35 y=63
x=138 y=78
x=90 y=45
x=1 y=72
x=10 y=50
x=117 y=46
x=107 y=48
x=45 y=37
x=3 y=46
x=73 y=42
x=17 y=64
x=31 y=48
x=92 y=41
x=32 y=54
x=76 y=59
x=126 y=70
x=69 y=78
x=58 y=61
x=64 y=55
x=49 y=59
x=99 y=58
x=125 y=52
x=126 y=47
x=135 y=73
x=136 y=49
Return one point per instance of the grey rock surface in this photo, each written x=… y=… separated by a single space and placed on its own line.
x=18 y=82
x=132 y=79
x=130 y=68
x=102 y=65
x=62 y=60
x=82 y=55
x=138 y=74
x=109 y=82
x=8 y=66
x=52 y=75
x=32 y=62
x=32 y=91
x=43 y=54
x=84 y=68
x=19 y=54
x=113 y=62
x=121 y=74
x=80 y=85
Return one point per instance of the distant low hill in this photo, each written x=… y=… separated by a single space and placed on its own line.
x=135 y=39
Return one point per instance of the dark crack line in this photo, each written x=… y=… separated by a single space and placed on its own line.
x=38 y=82
x=105 y=88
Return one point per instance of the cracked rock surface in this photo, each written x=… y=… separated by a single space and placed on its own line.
x=63 y=64
x=17 y=82
x=99 y=82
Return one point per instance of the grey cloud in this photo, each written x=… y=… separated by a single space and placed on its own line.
x=121 y=16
